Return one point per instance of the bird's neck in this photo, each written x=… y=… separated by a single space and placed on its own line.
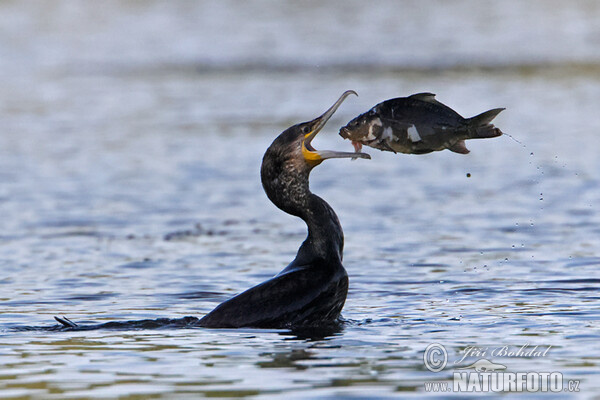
x=325 y=240
x=325 y=236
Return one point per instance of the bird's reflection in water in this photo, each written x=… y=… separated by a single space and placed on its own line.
x=287 y=359
x=322 y=332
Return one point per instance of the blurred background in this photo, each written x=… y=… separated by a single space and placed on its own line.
x=131 y=137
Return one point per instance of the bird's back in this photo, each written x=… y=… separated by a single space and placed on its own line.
x=304 y=296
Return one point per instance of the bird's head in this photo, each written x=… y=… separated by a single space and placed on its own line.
x=308 y=130
x=290 y=158
x=295 y=143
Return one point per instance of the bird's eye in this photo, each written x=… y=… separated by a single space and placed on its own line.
x=305 y=129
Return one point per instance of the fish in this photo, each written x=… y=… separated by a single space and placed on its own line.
x=418 y=124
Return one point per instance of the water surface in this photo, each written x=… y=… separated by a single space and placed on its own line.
x=129 y=159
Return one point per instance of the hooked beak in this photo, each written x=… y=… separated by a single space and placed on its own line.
x=315 y=157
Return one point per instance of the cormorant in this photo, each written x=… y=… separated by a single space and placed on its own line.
x=312 y=289
x=310 y=292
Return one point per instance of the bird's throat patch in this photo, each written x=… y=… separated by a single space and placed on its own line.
x=311 y=156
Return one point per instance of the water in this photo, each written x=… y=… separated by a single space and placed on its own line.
x=132 y=139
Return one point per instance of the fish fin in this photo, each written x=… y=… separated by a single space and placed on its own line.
x=480 y=126
x=430 y=97
x=386 y=146
x=459 y=147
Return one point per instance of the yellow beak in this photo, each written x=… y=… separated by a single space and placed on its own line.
x=315 y=157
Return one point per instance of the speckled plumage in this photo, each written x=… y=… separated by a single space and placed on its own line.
x=311 y=290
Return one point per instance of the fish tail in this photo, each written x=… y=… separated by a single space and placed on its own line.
x=480 y=126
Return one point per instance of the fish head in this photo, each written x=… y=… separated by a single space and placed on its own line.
x=357 y=130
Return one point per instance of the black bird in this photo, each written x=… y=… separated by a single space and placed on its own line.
x=312 y=289
x=310 y=292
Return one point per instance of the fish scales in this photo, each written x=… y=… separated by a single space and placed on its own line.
x=418 y=124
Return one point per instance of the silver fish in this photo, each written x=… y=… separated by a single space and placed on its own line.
x=418 y=124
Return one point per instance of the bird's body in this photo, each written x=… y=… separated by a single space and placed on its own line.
x=418 y=124
x=312 y=289
x=311 y=295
